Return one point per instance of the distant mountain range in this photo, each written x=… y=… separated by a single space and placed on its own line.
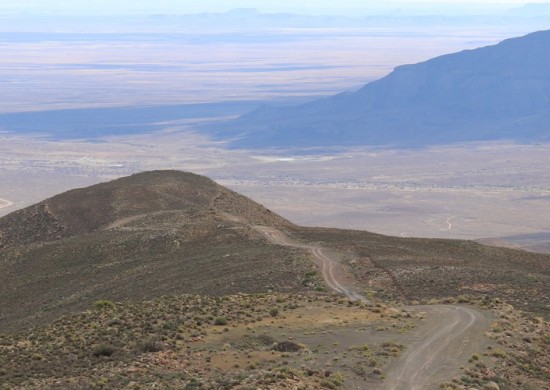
x=499 y=92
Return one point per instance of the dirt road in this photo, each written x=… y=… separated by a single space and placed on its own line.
x=122 y=222
x=328 y=265
x=449 y=224
x=447 y=339
x=5 y=203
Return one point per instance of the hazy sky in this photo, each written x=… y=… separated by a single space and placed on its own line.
x=194 y=6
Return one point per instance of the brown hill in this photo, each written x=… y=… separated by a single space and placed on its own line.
x=168 y=233
x=93 y=208
x=147 y=238
x=136 y=238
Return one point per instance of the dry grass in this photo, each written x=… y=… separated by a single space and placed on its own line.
x=414 y=269
x=519 y=357
x=176 y=342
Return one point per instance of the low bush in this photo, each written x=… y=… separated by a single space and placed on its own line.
x=103 y=304
x=103 y=350
x=220 y=321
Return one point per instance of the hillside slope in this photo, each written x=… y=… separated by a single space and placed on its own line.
x=93 y=208
x=499 y=92
x=137 y=238
x=168 y=233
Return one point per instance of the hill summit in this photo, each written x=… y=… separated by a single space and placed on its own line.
x=164 y=233
x=135 y=238
x=499 y=92
x=123 y=200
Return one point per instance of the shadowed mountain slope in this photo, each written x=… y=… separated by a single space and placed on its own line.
x=492 y=93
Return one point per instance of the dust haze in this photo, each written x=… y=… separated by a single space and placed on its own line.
x=467 y=191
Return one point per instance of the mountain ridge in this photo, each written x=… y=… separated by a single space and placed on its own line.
x=499 y=92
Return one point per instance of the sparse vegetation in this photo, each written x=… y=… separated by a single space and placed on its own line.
x=172 y=342
x=521 y=359
x=220 y=321
x=288 y=333
x=103 y=304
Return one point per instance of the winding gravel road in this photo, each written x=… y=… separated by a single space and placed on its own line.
x=449 y=336
x=328 y=264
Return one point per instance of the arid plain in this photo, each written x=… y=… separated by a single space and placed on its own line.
x=464 y=191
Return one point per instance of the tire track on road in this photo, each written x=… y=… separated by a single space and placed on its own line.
x=327 y=264
x=449 y=337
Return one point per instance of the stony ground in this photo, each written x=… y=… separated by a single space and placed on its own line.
x=247 y=342
x=267 y=341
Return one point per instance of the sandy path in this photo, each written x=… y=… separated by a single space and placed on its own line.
x=5 y=203
x=122 y=222
x=450 y=335
x=449 y=224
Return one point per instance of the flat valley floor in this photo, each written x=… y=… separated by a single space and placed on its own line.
x=475 y=191
x=471 y=191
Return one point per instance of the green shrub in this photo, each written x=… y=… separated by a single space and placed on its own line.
x=220 y=321
x=103 y=350
x=152 y=344
x=103 y=304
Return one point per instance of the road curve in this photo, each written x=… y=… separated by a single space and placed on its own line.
x=5 y=203
x=450 y=335
x=322 y=254
x=449 y=224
